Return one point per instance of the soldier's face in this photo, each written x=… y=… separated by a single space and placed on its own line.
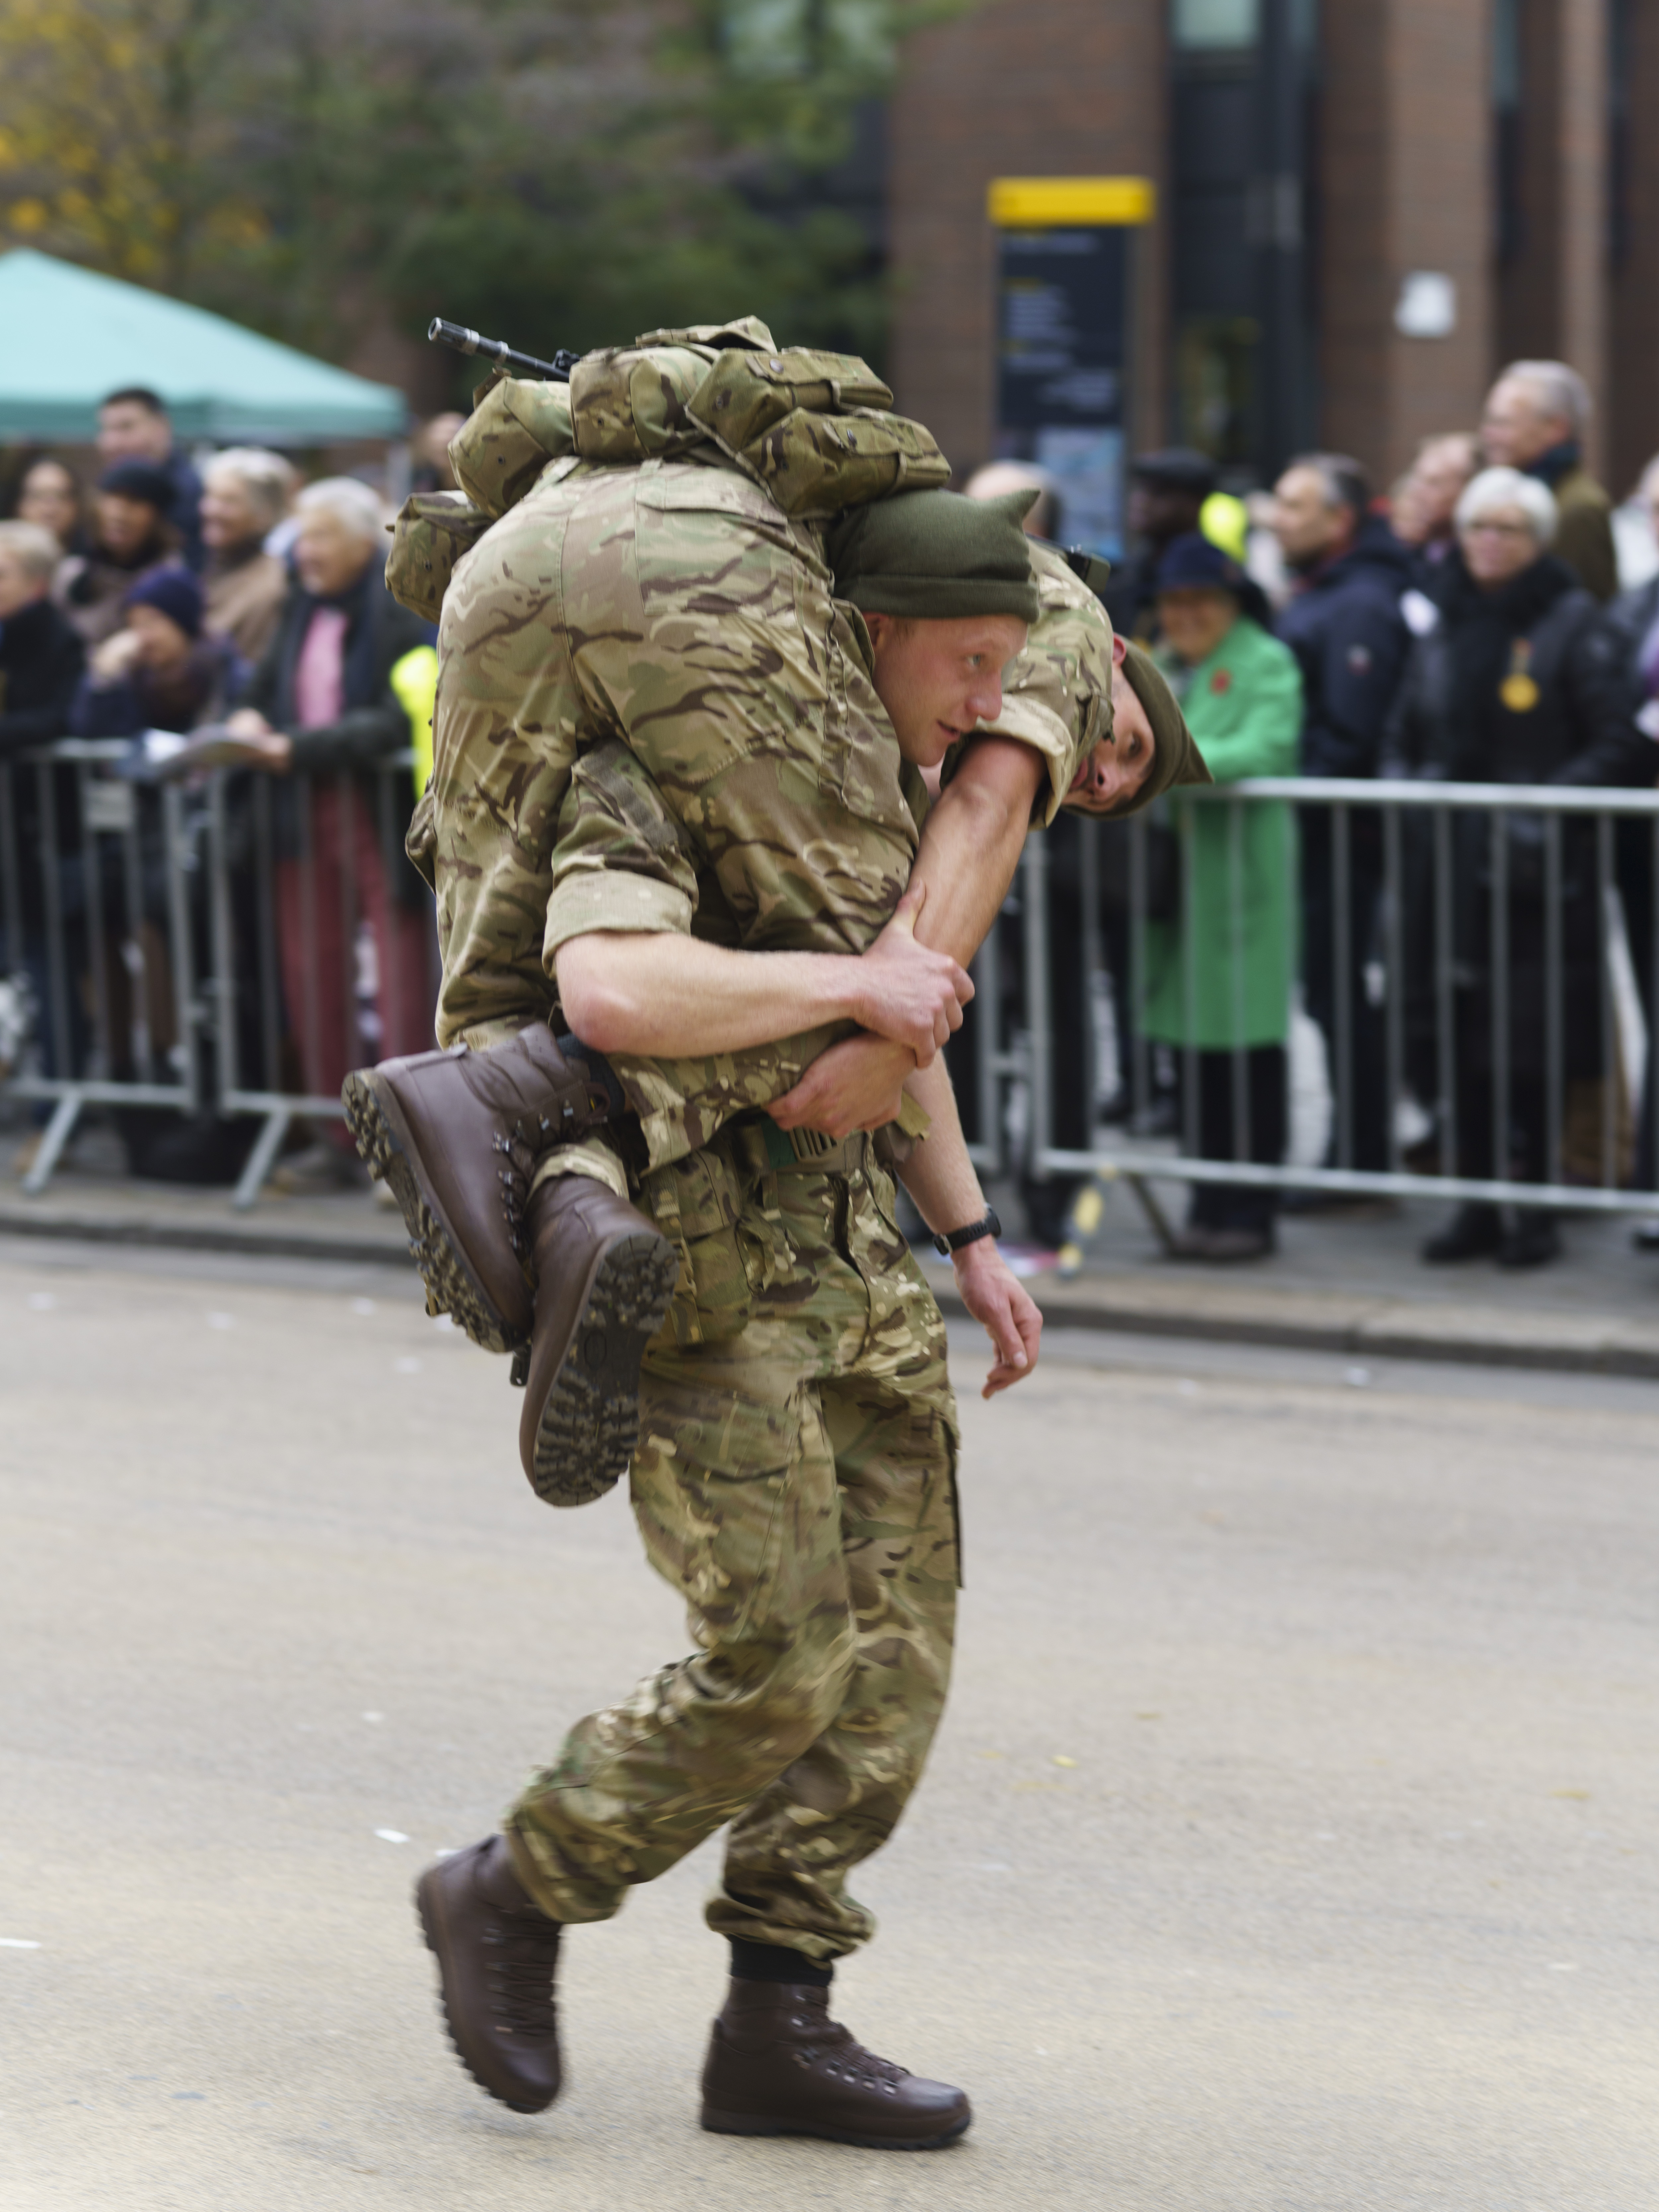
x=939 y=680
x=1120 y=764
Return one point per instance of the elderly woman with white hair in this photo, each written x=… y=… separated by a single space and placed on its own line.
x=246 y=493
x=327 y=698
x=1518 y=680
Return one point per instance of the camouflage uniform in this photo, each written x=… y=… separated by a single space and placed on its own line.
x=673 y=607
x=795 y=1481
x=654 y=715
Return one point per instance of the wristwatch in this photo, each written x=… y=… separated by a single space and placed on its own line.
x=954 y=1239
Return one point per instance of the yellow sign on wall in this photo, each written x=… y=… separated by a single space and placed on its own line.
x=1047 y=202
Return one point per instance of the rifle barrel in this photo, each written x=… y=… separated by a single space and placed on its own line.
x=556 y=371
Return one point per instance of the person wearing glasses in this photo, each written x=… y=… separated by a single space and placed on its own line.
x=1521 y=681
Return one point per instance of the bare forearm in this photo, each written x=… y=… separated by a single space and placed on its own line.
x=938 y=1174
x=971 y=844
x=661 y=995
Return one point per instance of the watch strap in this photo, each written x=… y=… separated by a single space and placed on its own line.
x=952 y=1240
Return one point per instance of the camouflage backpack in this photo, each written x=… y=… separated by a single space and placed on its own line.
x=814 y=430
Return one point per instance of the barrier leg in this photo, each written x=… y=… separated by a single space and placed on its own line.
x=1146 y=1199
x=261 y=1160
x=61 y=1127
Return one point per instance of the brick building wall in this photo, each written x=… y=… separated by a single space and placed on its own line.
x=1404 y=180
x=1631 y=417
x=1021 y=88
x=1404 y=175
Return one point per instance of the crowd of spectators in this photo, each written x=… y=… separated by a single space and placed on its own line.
x=1468 y=628
x=239 y=610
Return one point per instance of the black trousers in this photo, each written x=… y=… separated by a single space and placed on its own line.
x=1223 y=1206
x=1527 y=1127
x=1363 y=1081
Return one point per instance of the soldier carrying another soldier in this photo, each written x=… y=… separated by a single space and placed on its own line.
x=683 y=709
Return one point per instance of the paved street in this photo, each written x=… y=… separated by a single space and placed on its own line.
x=1289 y=1843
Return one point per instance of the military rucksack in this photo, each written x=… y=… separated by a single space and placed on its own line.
x=814 y=430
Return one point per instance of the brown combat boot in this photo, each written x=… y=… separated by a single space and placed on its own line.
x=603 y=1278
x=778 y=2065
x=497 y=1952
x=455 y=1135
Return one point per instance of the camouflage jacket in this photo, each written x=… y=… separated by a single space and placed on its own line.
x=664 y=624
x=672 y=609
x=626 y=850
x=1057 y=696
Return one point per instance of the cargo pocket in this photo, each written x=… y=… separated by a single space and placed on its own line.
x=696 y=1203
x=710 y=1484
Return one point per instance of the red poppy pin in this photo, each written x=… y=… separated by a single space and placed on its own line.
x=1221 y=680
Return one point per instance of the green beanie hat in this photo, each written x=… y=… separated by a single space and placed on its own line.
x=1176 y=758
x=936 y=556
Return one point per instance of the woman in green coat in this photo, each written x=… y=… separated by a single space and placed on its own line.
x=1218 y=975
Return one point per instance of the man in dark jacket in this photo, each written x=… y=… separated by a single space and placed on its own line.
x=1345 y=626
x=133 y=426
x=325 y=699
x=1633 y=624
x=1520 y=681
x=1536 y=417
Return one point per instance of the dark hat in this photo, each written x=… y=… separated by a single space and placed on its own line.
x=175 y=593
x=1176 y=759
x=139 y=480
x=936 y=556
x=1191 y=562
x=1196 y=562
x=1178 y=468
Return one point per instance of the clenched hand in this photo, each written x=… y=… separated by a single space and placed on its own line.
x=909 y=994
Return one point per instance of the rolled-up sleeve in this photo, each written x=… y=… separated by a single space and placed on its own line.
x=622 y=861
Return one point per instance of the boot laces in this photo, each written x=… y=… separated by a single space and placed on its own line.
x=849 y=2057
x=840 y=2052
x=519 y=1150
x=521 y=1975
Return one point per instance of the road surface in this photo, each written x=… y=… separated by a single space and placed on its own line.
x=1289 y=1843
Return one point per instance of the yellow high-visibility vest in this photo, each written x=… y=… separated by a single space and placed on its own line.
x=415 y=680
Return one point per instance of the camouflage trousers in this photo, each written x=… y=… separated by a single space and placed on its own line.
x=795 y=1480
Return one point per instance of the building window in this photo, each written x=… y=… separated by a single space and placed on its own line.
x=1195 y=25
x=1215 y=387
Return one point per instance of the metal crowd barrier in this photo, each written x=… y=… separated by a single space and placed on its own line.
x=194 y=949
x=1015 y=1015
x=141 y=925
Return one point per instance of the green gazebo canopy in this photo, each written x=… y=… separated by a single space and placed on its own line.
x=67 y=336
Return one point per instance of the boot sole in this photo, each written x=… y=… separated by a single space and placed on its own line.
x=590 y=1420
x=428 y=1920
x=451 y=1286
x=754 y=2124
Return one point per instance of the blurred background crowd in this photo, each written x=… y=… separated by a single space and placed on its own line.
x=1363 y=428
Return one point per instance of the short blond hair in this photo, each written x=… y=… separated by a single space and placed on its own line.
x=36 y=551
x=353 y=505
x=266 y=478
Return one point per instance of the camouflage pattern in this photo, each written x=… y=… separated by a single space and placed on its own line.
x=815 y=430
x=795 y=1482
x=667 y=624
x=698 y=634
x=1057 y=694
x=432 y=532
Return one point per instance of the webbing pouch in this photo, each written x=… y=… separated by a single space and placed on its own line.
x=432 y=532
